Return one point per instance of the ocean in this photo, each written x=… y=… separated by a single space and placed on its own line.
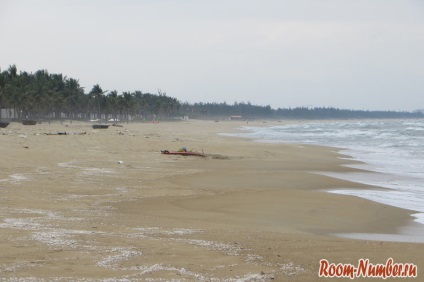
x=394 y=149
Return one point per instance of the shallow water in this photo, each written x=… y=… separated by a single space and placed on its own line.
x=394 y=149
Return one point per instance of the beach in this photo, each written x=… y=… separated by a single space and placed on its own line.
x=107 y=205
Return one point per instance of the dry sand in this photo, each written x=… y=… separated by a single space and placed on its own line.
x=106 y=205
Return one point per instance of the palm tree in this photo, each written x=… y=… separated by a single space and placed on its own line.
x=9 y=87
x=14 y=88
x=40 y=100
x=12 y=97
x=58 y=98
x=73 y=92
x=112 y=103
x=13 y=71
x=127 y=102
x=97 y=94
x=140 y=102
x=2 y=84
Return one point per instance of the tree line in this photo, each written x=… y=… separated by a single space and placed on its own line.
x=217 y=110
x=249 y=111
x=42 y=95
x=335 y=113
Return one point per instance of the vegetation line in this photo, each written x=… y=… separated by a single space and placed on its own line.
x=41 y=95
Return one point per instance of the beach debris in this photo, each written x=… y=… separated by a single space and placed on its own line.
x=29 y=122
x=120 y=162
x=100 y=126
x=58 y=133
x=183 y=152
x=3 y=124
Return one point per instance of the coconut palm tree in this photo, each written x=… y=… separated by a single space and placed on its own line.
x=97 y=94
x=112 y=103
x=41 y=97
x=139 y=102
x=8 y=86
x=127 y=102
x=2 y=85
x=73 y=92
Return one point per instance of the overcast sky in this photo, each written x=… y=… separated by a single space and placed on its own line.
x=357 y=54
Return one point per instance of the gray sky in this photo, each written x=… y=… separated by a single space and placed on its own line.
x=357 y=54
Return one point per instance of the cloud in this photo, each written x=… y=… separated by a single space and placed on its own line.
x=269 y=52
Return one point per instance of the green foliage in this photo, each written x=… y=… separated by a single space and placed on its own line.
x=249 y=111
x=334 y=113
x=216 y=110
x=43 y=95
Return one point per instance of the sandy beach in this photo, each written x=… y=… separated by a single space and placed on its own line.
x=107 y=205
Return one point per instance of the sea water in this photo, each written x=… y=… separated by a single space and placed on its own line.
x=394 y=149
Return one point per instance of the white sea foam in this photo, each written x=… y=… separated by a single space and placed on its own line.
x=289 y=269
x=228 y=249
x=70 y=164
x=119 y=255
x=181 y=231
x=16 y=178
x=20 y=223
x=394 y=148
x=383 y=237
x=97 y=171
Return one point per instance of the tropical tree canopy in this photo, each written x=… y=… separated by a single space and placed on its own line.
x=42 y=95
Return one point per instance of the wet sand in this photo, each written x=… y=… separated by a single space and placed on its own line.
x=105 y=204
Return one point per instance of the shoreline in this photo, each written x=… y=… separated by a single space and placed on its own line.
x=107 y=204
x=366 y=174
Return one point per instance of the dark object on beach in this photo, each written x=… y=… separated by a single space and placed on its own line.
x=3 y=124
x=100 y=126
x=29 y=122
x=182 y=153
x=59 y=133
x=117 y=125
